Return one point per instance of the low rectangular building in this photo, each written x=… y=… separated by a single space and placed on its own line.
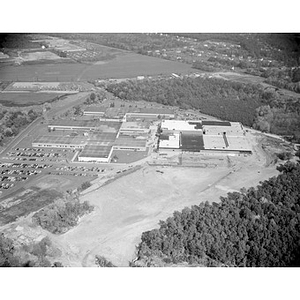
x=95 y=153
x=169 y=141
x=151 y=113
x=180 y=125
x=96 y=111
x=106 y=126
x=138 y=127
x=45 y=141
x=130 y=143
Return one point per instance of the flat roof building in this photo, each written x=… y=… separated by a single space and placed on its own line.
x=46 y=141
x=97 y=111
x=130 y=143
x=170 y=141
x=95 y=153
x=142 y=127
x=180 y=125
x=106 y=126
x=150 y=113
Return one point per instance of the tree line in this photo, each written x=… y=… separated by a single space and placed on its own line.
x=224 y=99
x=258 y=227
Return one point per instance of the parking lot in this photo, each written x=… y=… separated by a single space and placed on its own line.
x=41 y=154
x=12 y=173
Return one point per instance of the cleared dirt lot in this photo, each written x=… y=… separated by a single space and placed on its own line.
x=135 y=203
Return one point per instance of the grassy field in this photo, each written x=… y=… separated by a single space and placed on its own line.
x=123 y=66
x=26 y=98
x=129 y=156
x=24 y=205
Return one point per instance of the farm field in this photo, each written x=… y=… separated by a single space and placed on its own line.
x=123 y=66
x=26 y=98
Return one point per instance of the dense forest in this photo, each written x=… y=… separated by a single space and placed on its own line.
x=248 y=103
x=258 y=227
x=61 y=215
x=216 y=97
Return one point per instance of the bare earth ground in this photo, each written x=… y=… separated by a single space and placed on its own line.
x=135 y=203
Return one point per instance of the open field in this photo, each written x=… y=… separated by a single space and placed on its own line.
x=123 y=66
x=31 y=200
x=43 y=55
x=26 y=98
x=128 y=157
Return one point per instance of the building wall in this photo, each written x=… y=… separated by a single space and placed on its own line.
x=50 y=145
x=94 y=159
x=130 y=148
x=93 y=113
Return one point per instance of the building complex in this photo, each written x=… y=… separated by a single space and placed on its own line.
x=95 y=137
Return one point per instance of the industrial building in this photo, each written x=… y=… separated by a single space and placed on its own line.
x=48 y=141
x=130 y=143
x=150 y=114
x=135 y=127
x=203 y=136
x=106 y=126
x=95 y=153
x=95 y=139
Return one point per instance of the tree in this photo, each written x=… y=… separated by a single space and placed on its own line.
x=85 y=185
x=92 y=96
x=7 y=251
x=77 y=110
x=101 y=261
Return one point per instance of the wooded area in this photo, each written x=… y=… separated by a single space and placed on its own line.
x=61 y=215
x=249 y=104
x=258 y=227
x=13 y=121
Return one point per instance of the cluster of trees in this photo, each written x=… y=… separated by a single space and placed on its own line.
x=224 y=99
x=102 y=262
x=84 y=186
x=61 y=215
x=279 y=115
x=258 y=227
x=32 y=255
x=13 y=121
x=95 y=98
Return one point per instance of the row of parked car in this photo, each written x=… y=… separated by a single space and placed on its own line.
x=16 y=172
x=83 y=169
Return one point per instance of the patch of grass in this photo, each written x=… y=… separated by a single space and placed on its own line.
x=30 y=203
